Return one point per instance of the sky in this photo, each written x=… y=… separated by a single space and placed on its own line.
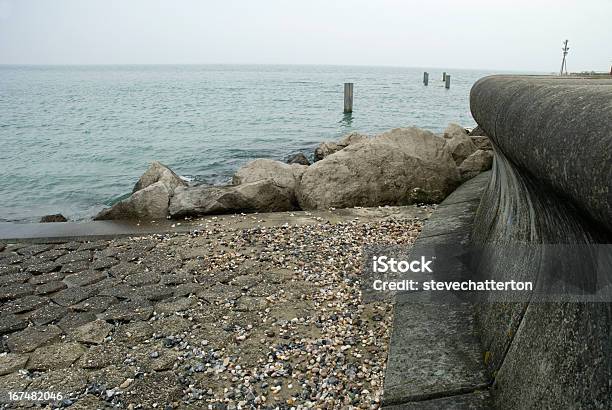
x=522 y=35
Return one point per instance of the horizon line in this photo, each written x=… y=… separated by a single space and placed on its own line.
x=273 y=64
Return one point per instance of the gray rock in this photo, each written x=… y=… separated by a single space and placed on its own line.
x=72 y=320
x=260 y=196
x=92 y=332
x=455 y=130
x=85 y=278
x=14 y=291
x=158 y=172
x=402 y=166
x=479 y=161
x=10 y=323
x=481 y=142
x=299 y=159
x=57 y=356
x=150 y=196
x=53 y=218
x=460 y=147
x=96 y=304
x=130 y=310
x=72 y=295
x=25 y=304
x=50 y=287
x=11 y=362
x=47 y=314
x=327 y=148
x=284 y=175
x=147 y=204
x=32 y=338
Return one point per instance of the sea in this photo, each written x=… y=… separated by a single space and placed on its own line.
x=74 y=139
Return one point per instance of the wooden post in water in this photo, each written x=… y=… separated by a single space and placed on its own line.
x=444 y=76
x=425 y=78
x=447 y=79
x=348 y=97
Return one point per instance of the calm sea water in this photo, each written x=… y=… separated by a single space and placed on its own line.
x=76 y=138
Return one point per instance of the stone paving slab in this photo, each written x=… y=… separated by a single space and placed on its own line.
x=479 y=400
x=434 y=354
x=434 y=351
x=258 y=310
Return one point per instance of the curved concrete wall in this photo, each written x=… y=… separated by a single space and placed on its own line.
x=550 y=184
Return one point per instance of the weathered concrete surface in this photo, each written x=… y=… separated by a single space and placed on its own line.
x=557 y=128
x=478 y=400
x=435 y=357
x=550 y=184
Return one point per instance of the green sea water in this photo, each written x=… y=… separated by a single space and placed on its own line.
x=75 y=138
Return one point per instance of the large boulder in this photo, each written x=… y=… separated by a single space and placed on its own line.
x=402 y=166
x=146 y=204
x=455 y=130
x=460 y=147
x=327 y=148
x=299 y=159
x=283 y=175
x=150 y=196
x=158 y=172
x=481 y=160
x=260 y=196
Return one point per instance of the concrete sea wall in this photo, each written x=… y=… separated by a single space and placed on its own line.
x=550 y=184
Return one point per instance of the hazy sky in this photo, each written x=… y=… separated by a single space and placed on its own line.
x=500 y=35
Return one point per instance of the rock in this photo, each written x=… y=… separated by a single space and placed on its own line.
x=10 y=362
x=150 y=196
x=479 y=161
x=299 y=159
x=10 y=323
x=481 y=142
x=88 y=277
x=455 y=130
x=284 y=175
x=158 y=172
x=259 y=196
x=56 y=356
x=327 y=148
x=478 y=131
x=402 y=166
x=148 y=203
x=460 y=147
x=128 y=310
x=32 y=337
x=53 y=218
x=92 y=332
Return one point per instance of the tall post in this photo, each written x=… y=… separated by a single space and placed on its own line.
x=425 y=78
x=564 y=61
x=444 y=76
x=447 y=81
x=348 y=97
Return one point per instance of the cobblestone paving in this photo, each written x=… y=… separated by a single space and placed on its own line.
x=258 y=317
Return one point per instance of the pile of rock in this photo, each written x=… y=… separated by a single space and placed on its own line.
x=472 y=152
x=399 y=167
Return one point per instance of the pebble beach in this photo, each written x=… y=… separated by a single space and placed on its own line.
x=238 y=312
